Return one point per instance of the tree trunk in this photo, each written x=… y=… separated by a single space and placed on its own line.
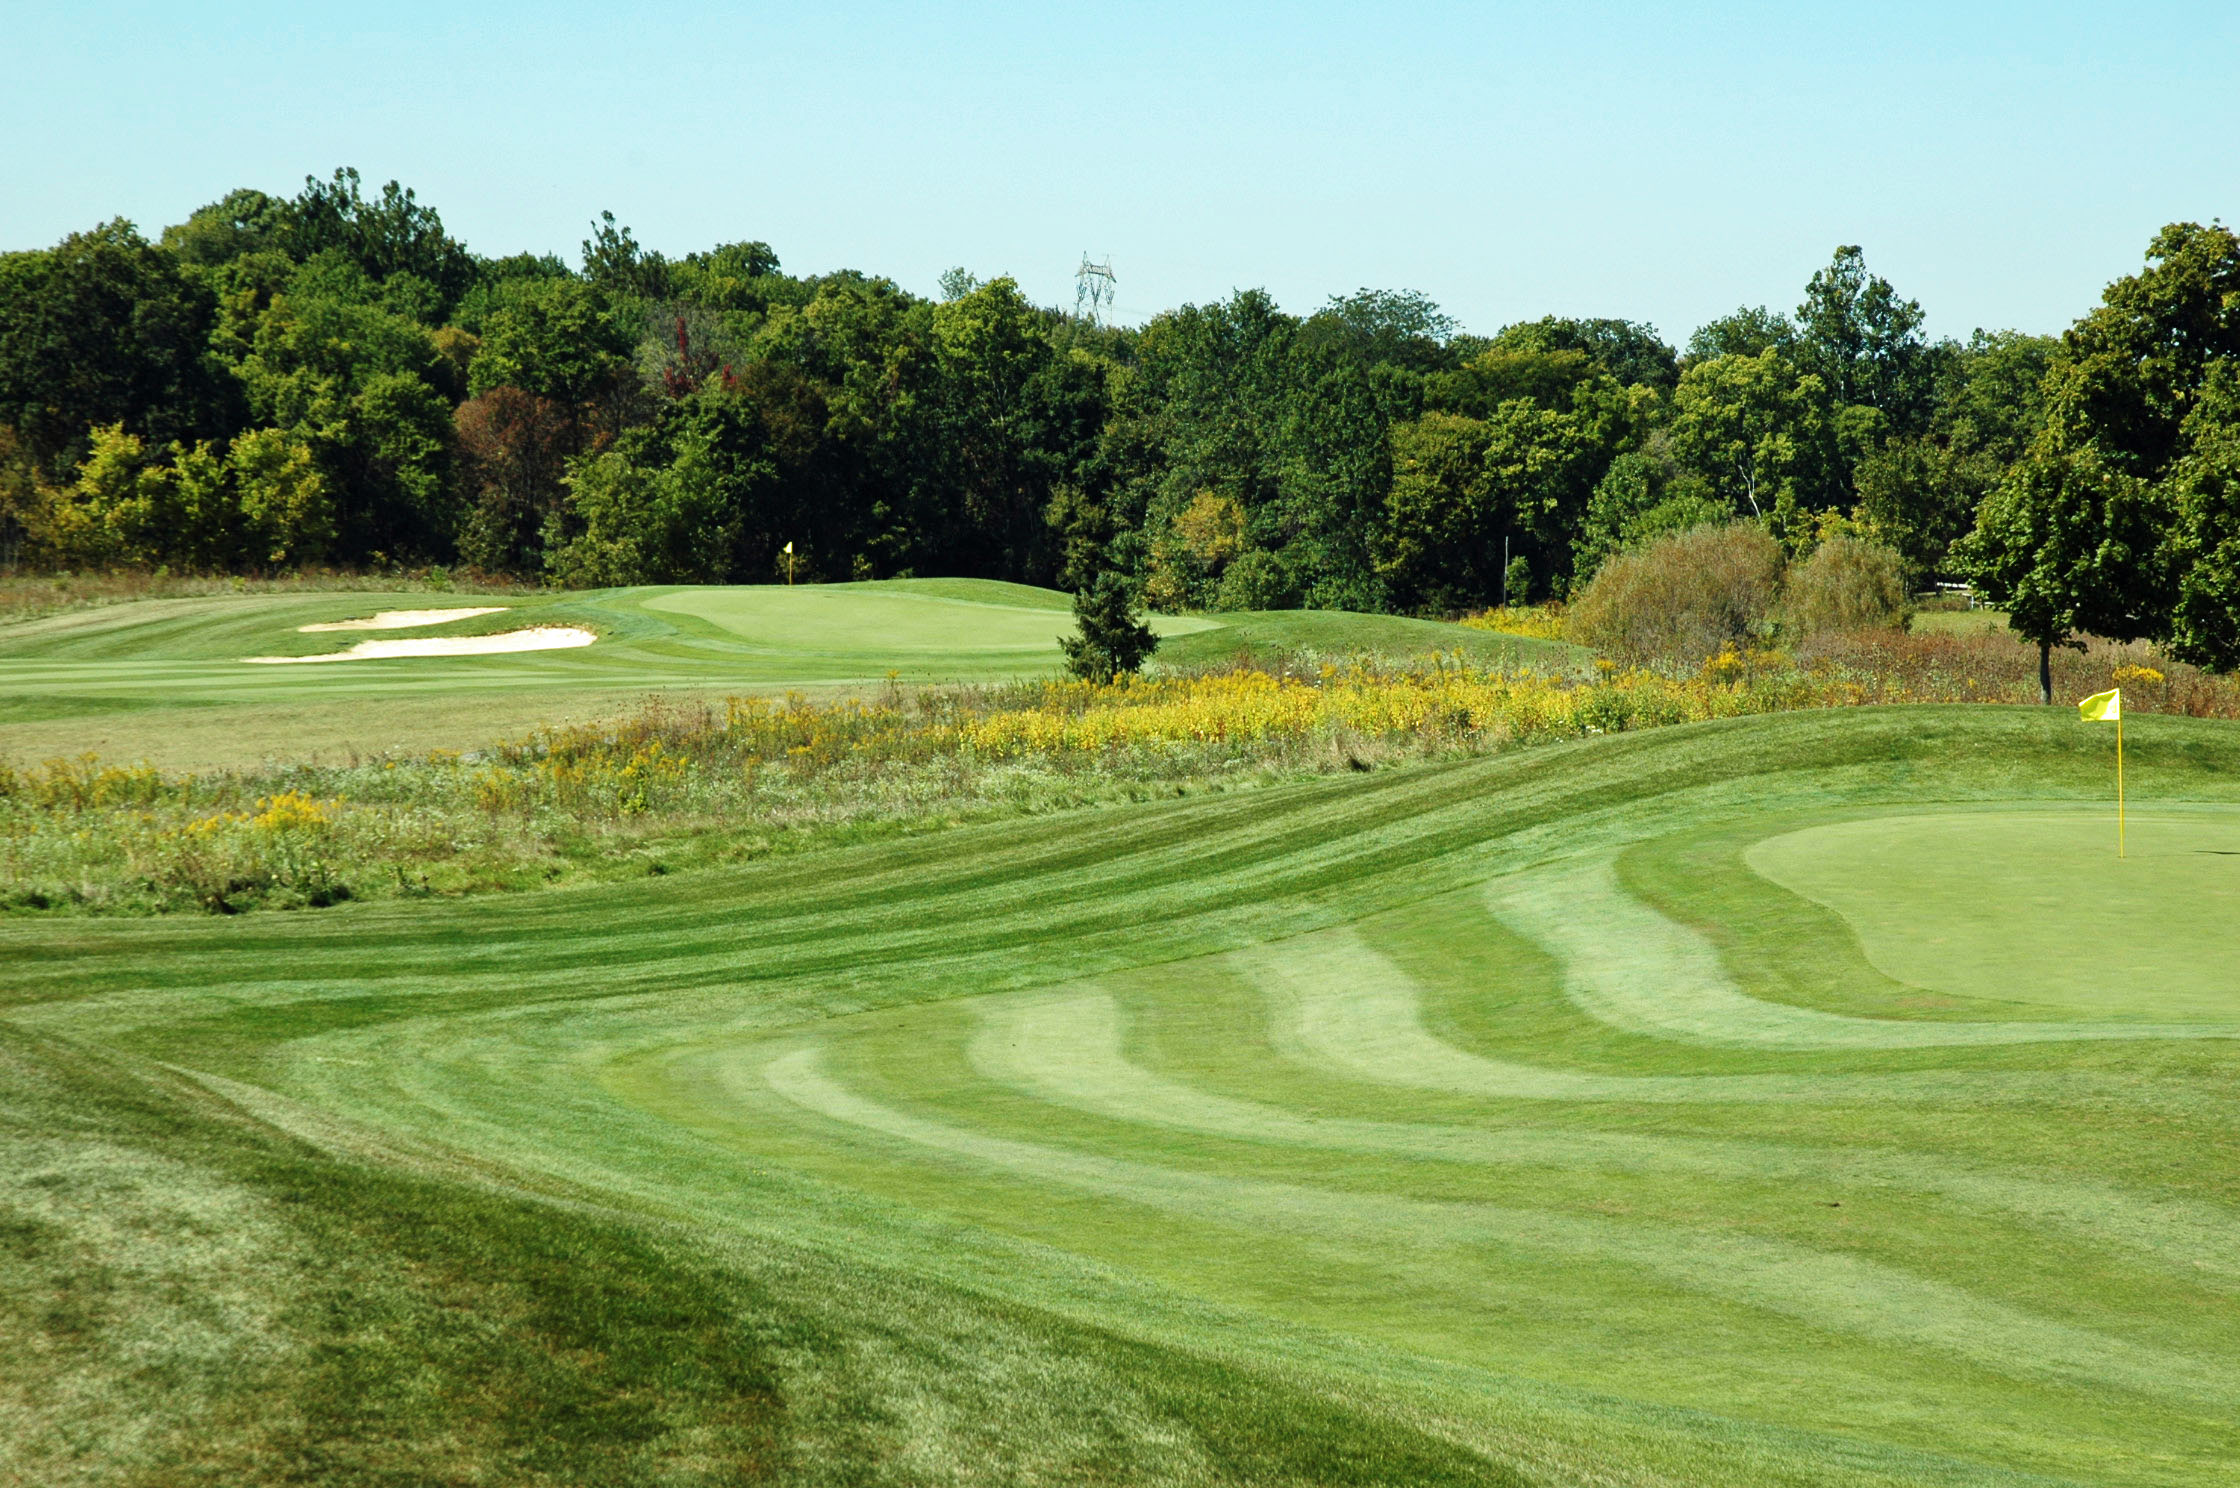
x=2045 y=672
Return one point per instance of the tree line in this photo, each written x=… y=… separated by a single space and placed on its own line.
x=333 y=379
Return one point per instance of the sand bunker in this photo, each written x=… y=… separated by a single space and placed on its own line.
x=542 y=638
x=402 y=620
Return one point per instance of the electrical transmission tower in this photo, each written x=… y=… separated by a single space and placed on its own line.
x=1093 y=287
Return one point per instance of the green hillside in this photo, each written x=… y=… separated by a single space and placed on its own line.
x=168 y=680
x=1799 y=1099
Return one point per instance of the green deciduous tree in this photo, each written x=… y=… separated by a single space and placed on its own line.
x=1755 y=430
x=2204 y=493
x=620 y=512
x=387 y=236
x=1440 y=547
x=106 y=516
x=358 y=385
x=1504 y=374
x=860 y=351
x=259 y=505
x=1471 y=496
x=996 y=410
x=1638 y=500
x=1864 y=343
x=247 y=221
x=1920 y=492
x=693 y=499
x=2129 y=373
x=1990 y=394
x=1542 y=465
x=1921 y=497
x=553 y=339
x=1321 y=531
x=734 y=277
x=1205 y=411
x=105 y=328
x=2069 y=543
x=286 y=509
x=1401 y=328
x=1634 y=354
x=1750 y=331
x=2117 y=522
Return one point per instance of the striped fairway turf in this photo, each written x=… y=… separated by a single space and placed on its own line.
x=169 y=680
x=1800 y=1099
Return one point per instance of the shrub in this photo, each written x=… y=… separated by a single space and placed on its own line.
x=1189 y=557
x=1257 y=580
x=1516 y=581
x=1681 y=598
x=1848 y=583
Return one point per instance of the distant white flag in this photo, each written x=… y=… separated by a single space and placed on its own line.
x=789 y=550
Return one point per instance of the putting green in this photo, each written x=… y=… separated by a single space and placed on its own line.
x=2034 y=907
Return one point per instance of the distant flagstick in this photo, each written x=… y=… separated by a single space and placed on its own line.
x=789 y=565
x=2107 y=707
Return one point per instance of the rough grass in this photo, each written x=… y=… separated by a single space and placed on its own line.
x=684 y=785
x=1313 y=637
x=1302 y=1135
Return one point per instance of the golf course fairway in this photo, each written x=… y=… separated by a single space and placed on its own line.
x=1801 y=1099
x=171 y=681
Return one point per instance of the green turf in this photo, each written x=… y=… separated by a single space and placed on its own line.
x=1488 y=1122
x=2036 y=907
x=1959 y=622
x=1338 y=634
x=167 y=680
x=854 y=630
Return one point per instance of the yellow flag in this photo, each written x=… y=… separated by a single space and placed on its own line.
x=2102 y=707
x=789 y=547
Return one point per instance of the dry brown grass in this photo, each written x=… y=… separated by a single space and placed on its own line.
x=1992 y=666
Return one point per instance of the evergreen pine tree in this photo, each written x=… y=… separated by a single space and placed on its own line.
x=1113 y=637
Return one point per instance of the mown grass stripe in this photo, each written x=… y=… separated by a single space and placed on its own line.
x=1825 y=1290
x=1065 y=1047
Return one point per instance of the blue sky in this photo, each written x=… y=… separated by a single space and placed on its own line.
x=1999 y=161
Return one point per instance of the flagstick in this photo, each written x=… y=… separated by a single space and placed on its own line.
x=2119 y=785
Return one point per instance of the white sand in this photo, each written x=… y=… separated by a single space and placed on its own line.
x=542 y=638
x=404 y=619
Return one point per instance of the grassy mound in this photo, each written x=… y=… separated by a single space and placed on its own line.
x=1528 y=1119
x=165 y=680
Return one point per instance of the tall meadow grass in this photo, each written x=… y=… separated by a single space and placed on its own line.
x=676 y=786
